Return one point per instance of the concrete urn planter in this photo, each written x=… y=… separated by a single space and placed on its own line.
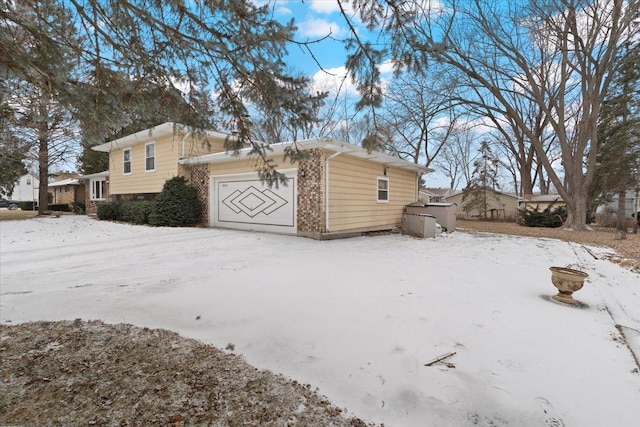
x=568 y=281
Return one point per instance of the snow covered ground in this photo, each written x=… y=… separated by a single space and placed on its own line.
x=357 y=318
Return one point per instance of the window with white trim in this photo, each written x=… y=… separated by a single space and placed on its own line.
x=98 y=189
x=150 y=157
x=126 y=161
x=383 y=190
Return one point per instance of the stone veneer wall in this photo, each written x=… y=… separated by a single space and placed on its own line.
x=91 y=206
x=310 y=198
x=200 y=181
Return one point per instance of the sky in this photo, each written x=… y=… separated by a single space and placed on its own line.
x=315 y=20
x=357 y=318
x=320 y=22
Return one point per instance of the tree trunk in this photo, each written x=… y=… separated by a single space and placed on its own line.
x=636 y=208
x=576 y=212
x=544 y=188
x=43 y=169
x=526 y=184
x=621 y=227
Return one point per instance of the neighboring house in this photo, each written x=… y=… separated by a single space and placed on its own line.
x=629 y=199
x=96 y=190
x=339 y=190
x=26 y=189
x=607 y=214
x=434 y=195
x=540 y=201
x=66 y=189
x=499 y=205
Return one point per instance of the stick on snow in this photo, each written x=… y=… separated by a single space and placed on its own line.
x=439 y=358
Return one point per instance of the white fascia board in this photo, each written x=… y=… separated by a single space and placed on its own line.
x=68 y=181
x=149 y=135
x=145 y=135
x=329 y=144
x=102 y=174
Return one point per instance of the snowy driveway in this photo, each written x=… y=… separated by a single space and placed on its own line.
x=357 y=318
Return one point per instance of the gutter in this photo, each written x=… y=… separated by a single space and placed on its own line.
x=326 y=189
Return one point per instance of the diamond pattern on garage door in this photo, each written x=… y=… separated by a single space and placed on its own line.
x=251 y=204
x=252 y=201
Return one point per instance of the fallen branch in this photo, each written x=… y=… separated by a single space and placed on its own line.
x=590 y=253
x=440 y=358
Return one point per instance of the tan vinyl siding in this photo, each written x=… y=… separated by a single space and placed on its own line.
x=168 y=151
x=353 y=194
x=245 y=165
x=199 y=146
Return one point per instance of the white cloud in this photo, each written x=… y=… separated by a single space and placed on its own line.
x=183 y=85
x=319 y=28
x=335 y=81
x=260 y=3
x=386 y=67
x=281 y=10
x=325 y=6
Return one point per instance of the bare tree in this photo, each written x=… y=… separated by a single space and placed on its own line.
x=520 y=155
x=559 y=54
x=420 y=113
x=458 y=155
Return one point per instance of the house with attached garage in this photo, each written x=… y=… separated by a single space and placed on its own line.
x=499 y=205
x=339 y=190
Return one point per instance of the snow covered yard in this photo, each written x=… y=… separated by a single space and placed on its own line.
x=357 y=318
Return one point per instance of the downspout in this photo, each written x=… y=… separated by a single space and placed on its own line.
x=326 y=189
x=182 y=143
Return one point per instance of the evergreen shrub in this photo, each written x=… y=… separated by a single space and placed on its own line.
x=60 y=207
x=136 y=212
x=177 y=205
x=551 y=216
x=108 y=211
x=27 y=206
x=79 y=207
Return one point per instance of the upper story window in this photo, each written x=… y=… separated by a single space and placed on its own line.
x=383 y=190
x=150 y=157
x=29 y=181
x=98 y=189
x=126 y=161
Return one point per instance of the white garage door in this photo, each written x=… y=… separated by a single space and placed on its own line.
x=241 y=201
